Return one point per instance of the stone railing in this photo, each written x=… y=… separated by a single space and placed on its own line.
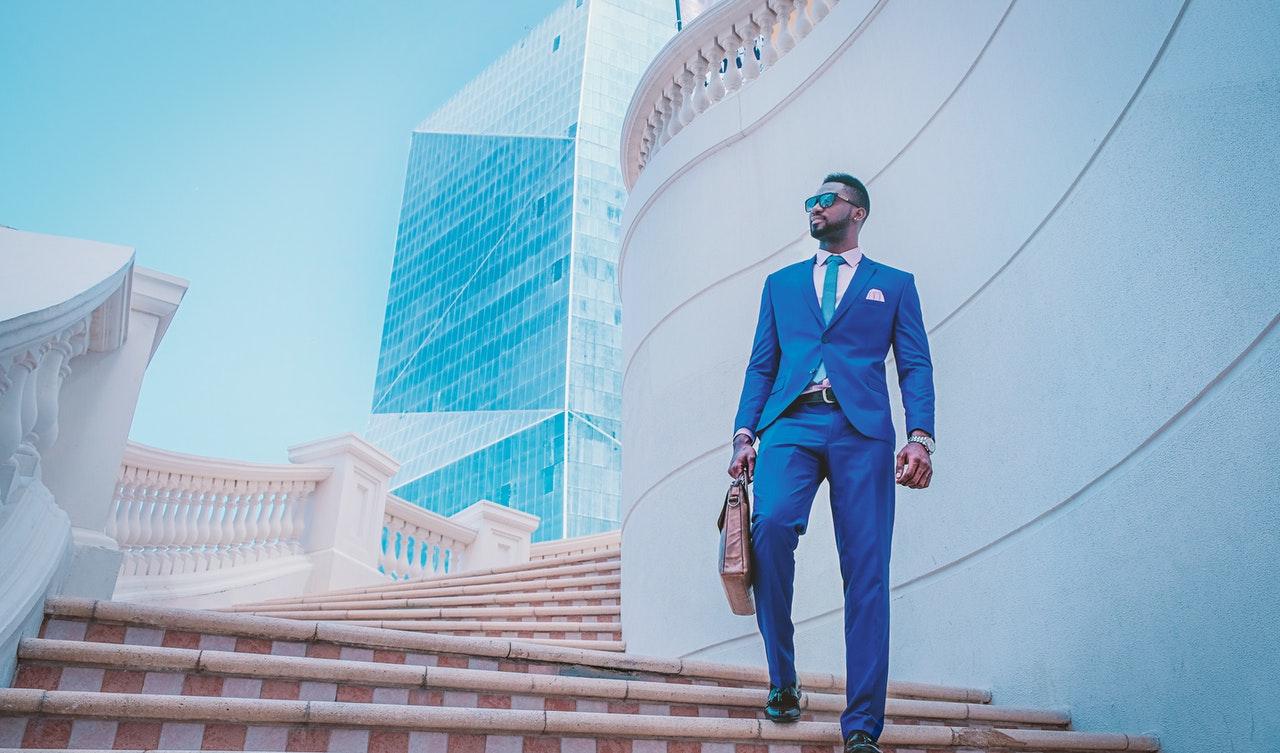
x=175 y=514
x=79 y=322
x=207 y=532
x=417 y=543
x=600 y=542
x=722 y=50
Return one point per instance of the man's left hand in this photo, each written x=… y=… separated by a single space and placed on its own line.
x=915 y=470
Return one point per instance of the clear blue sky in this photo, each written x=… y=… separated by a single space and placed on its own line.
x=256 y=149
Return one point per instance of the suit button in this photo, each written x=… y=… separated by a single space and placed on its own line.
x=826 y=339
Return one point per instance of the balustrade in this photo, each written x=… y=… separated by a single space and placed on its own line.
x=417 y=543
x=175 y=514
x=720 y=52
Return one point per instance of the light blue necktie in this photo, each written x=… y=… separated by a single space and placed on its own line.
x=828 y=302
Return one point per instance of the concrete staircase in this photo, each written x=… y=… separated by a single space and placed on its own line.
x=571 y=602
x=105 y=675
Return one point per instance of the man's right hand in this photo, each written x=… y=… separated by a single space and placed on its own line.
x=744 y=457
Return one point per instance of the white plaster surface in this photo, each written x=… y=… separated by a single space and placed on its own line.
x=1085 y=193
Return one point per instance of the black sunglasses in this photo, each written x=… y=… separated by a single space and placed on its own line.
x=824 y=200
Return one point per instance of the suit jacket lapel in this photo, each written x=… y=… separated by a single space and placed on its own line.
x=857 y=288
x=804 y=283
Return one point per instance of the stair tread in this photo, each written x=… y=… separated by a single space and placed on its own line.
x=356 y=672
x=512 y=574
x=24 y=702
x=252 y=626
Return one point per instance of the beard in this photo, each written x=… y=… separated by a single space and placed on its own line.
x=829 y=230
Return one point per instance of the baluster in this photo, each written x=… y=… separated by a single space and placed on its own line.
x=240 y=500
x=715 y=84
x=395 y=547
x=382 y=548
x=800 y=25
x=818 y=10
x=258 y=502
x=663 y=110
x=221 y=523
x=13 y=385
x=184 y=525
x=651 y=132
x=698 y=101
x=140 y=521
x=767 y=17
x=53 y=369
x=421 y=550
x=732 y=77
x=687 y=91
x=749 y=31
x=202 y=547
x=168 y=529
x=783 y=42
x=273 y=540
x=679 y=104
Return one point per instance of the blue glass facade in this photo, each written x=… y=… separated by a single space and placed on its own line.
x=499 y=376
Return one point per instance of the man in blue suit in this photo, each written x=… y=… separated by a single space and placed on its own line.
x=815 y=395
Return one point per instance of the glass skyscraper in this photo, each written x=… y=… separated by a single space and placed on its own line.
x=499 y=376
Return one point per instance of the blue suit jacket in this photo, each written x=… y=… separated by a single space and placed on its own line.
x=791 y=339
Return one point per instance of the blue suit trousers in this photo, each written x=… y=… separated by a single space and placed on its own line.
x=807 y=444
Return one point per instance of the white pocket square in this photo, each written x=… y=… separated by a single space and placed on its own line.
x=874 y=294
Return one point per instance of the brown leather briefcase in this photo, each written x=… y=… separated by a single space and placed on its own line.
x=735 y=547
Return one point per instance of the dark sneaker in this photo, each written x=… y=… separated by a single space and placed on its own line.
x=860 y=742
x=784 y=704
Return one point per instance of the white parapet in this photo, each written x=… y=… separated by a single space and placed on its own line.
x=78 y=325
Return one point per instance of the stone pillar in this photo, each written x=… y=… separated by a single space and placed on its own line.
x=344 y=525
x=502 y=535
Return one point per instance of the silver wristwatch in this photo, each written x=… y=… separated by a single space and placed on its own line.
x=926 y=441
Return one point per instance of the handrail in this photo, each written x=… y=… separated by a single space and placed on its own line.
x=722 y=50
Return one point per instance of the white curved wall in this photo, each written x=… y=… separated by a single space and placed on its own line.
x=1087 y=195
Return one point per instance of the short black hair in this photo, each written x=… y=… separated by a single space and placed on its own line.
x=860 y=196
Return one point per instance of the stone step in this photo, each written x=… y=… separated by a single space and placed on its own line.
x=573 y=613
x=586 y=584
x=79 y=666
x=55 y=719
x=549 y=569
x=605 y=597
x=539 y=631
x=71 y=618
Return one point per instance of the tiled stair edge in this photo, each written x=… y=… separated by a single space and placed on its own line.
x=499 y=598
x=489 y=613
x=533 y=570
x=254 y=626
x=580 y=584
x=380 y=674
x=22 y=702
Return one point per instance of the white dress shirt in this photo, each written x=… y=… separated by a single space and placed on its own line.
x=843 y=277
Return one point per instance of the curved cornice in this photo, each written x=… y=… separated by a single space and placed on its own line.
x=746 y=130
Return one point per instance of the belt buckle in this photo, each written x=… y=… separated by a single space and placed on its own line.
x=824 y=392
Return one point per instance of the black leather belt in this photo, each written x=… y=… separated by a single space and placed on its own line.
x=827 y=396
